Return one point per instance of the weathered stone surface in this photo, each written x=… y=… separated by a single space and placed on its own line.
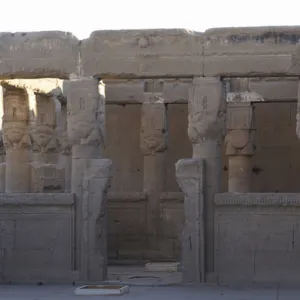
x=275 y=88
x=47 y=178
x=43 y=128
x=154 y=130
x=89 y=180
x=240 y=129
x=52 y=54
x=135 y=53
x=257 y=238
x=244 y=97
x=142 y=53
x=65 y=147
x=36 y=237
x=97 y=178
x=239 y=141
x=86 y=113
x=250 y=51
x=298 y=113
x=48 y=86
x=189 y=174
x=207 y=116
x=120 y=91
x=16 y=139
x=206 y=110
x=2 y=177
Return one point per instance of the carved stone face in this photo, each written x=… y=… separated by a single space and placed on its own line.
x=14 y=131
x=44 y=134
x=153 y=128
x=80 y=131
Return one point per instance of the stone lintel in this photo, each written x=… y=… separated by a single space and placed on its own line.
x=243 y=97
x=168 y=53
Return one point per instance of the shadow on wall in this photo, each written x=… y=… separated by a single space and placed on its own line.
x=276 y=164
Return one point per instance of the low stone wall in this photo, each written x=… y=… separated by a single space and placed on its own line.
x=129 y=237
x=36 y=237
x=257 y=238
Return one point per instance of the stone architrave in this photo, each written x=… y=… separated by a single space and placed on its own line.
x=189 y=175
x=86 y=126
x=239 y=140
x=206 y=129
x=153 y=144
x=16 y=139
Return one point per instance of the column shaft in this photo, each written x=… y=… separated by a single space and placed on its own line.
x=16 y=140
x=90 y=177
x=240 y=137
x=153 y=145
x=207 y=109
x=240 y=172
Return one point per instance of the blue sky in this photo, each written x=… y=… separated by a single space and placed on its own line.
x=83 y=17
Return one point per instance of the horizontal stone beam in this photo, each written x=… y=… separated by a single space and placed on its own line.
x=243 y=97
x=169 y=53
x=253 y=51
x=132 y=91
x=143 y=53
x=52 y=54
x=48 y=86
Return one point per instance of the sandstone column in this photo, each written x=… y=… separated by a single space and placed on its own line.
x=207 y=110
x=43 y=132
x=90 y=175
x=240 y=135
x=240 y=140
x=298 y=113
x=46 y=174
x=2 y=149
x=189 y=174
x=65 y=148
x=16 y=139
x=153 y=143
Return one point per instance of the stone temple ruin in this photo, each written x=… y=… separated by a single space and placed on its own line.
x=151 y=145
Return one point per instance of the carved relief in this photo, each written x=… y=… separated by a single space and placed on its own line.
x=15 y=119
x=207 y=111
x=154 y=130
x=43 y=134
x=298 y=113
x=143 y=42
x=85 y=113
x=47 y=177
x=65 y=147
x=240 y=130
x=97 y=179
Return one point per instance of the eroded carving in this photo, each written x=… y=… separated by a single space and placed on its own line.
x=15 y=119
x=207 y=111
x=86 y=113
x=43 y=133
x=47 y=178
x=189 y=175
x=240 y=129
x=154 y=130
x=97 y=179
